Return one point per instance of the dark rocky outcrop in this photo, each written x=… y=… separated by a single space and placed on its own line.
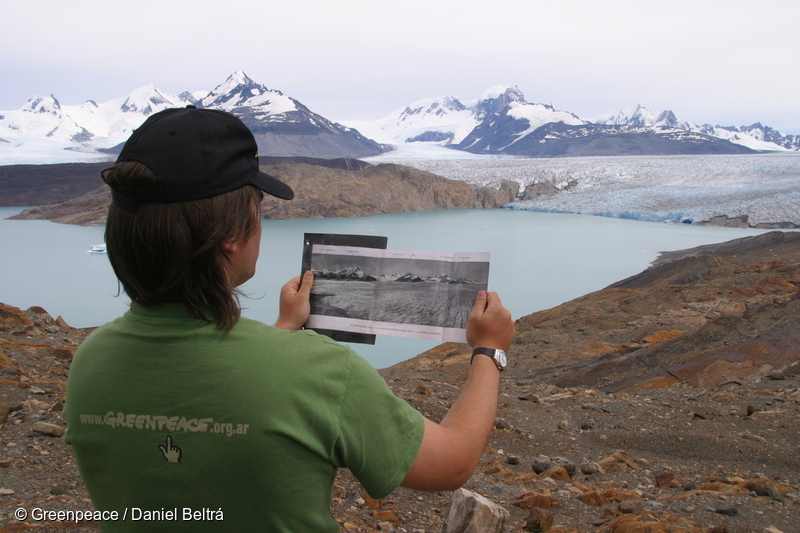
x=87 y=210
x=22 y=185
x=324 y=188
x=387 y=188
x=47 y=184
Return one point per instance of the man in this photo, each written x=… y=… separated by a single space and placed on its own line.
x=183 y=416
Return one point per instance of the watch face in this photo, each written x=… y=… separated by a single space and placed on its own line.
x=500 y=357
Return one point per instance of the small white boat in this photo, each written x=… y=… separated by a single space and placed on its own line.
x=96 y=249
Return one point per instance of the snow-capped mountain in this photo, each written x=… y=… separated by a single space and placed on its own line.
x=240 y=91
x=503 y=122
x=641 y=117
x=766 y=136
x=282 y=125
x=44 y=117
x=104 y=124
x=443 y=120
x=539 y=130
x=446 y=119
x=439 y=119
x=500 y=131
x=755 y=137
x=285 y=127
x=119 y=117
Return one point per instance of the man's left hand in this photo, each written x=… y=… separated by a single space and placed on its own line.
x=295 y=306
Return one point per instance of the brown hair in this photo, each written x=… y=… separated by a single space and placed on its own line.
x=171 y=252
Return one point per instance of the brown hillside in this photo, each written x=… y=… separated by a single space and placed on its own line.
x=324 y=191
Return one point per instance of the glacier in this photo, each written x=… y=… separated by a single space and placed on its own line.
x=676 y=189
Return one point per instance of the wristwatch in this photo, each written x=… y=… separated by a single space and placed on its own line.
x=499 y=357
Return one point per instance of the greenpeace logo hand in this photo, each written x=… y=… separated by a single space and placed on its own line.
x=171 y=452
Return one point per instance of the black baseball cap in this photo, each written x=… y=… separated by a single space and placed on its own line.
x=194 y=154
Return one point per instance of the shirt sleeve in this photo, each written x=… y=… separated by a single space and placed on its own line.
x=379 y=433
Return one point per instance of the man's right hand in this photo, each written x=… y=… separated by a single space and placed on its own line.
x=490 y=324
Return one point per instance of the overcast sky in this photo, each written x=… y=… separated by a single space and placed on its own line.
x=726 y=62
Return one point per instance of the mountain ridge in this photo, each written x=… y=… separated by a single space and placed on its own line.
x=283 y=126
x=756 y=136
x=500 y=122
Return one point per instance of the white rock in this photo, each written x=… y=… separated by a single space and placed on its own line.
x=48 y=429
x=473 y=513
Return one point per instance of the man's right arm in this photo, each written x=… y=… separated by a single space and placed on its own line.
x=450 y=450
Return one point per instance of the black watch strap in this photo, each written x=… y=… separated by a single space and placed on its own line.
x=498 y=356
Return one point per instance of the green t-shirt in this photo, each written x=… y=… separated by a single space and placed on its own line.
x=175 y=424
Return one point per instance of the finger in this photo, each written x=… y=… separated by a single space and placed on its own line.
x=479 y=307
x=168 y=442
x=480 y=301
x=305 y=283
x=293 y=284
x=493 y=300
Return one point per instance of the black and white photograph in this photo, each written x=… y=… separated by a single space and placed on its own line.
x=395 y=292
x=362 y=241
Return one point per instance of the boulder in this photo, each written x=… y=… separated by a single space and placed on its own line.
x=473 y=513
x=538 y=521
x=539 y=189
x=48 y=429
x=12 y=316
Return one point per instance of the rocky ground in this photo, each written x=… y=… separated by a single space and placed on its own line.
x=669 y=402
x=683 y=456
